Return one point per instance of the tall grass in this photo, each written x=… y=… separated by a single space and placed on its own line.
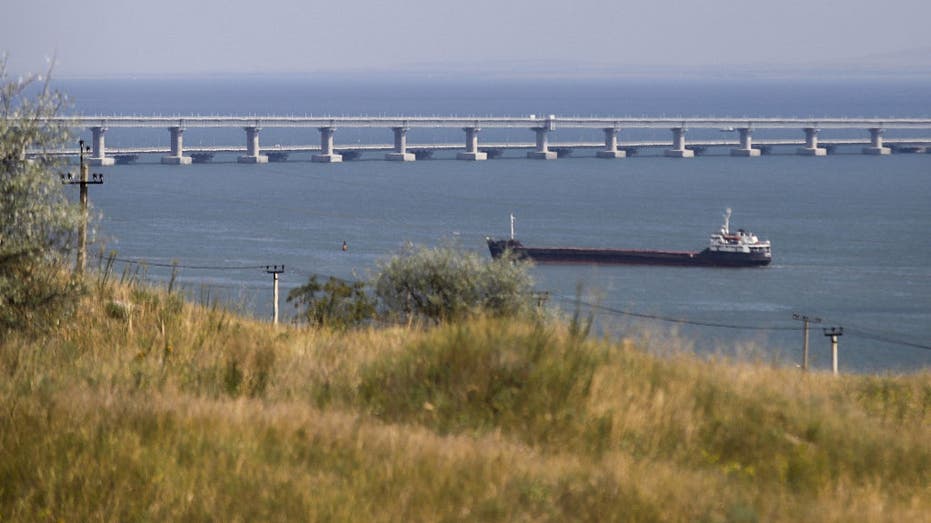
x=145 y=406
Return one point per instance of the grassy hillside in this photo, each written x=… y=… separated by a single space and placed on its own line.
x=145 y=407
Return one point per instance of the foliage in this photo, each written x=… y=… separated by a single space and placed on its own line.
x=447 y=283
x=336 y=303
x=34 y=293
x=36 y=220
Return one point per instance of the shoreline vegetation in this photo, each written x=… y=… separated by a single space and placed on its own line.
x=145 y=406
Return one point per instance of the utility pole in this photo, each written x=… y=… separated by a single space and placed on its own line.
x=834 y=333
x=805 y=320
x=83 y=181
x=275 y=270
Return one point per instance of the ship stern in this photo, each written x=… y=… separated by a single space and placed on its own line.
x=497 y=248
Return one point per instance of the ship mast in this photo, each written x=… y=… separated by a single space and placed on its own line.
x=726 y=229
x=512 y=226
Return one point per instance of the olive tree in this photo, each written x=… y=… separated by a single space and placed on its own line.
x=448 y=283
x=37 y=222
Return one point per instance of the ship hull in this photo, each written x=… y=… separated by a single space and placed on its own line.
x=705 y=258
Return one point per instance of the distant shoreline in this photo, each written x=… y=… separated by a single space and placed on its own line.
x=864 y=73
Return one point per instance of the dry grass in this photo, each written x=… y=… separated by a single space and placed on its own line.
x=149 y=408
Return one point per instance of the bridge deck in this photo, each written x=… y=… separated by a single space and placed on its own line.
x=490 y=122
x=111 y=151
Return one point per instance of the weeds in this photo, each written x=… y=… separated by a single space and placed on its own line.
x=484 y=376
x=170 y=410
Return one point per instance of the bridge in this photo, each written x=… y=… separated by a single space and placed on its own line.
x=541 y=148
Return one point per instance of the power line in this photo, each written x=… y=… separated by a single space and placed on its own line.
x=612 y=310
x=222 y=286
x=852 y=331
x=878 y=336
x=325 y=276
x=203 y=267
x=885 y=339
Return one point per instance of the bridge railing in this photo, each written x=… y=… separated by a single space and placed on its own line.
x=551 y=122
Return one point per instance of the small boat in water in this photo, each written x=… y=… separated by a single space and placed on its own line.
x=725 y=249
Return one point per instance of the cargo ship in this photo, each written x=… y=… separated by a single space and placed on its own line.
x=725 y=249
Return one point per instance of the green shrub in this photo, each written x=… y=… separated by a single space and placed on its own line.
x=34 y=293
x=336 y=303
x=446 y=283
x=37 y=222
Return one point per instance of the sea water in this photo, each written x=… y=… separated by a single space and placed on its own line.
x=850 y=232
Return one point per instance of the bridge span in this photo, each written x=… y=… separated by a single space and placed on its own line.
x=542 y=126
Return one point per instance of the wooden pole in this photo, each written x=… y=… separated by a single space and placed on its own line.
x=805 y=346
x=275 y=319
x=805 y=322
x=83 y=181
x=82 y=227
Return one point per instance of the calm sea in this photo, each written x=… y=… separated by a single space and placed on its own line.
x=850 y=232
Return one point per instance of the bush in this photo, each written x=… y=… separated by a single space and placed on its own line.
x=37 y=222
x=447 y=283
x=35 y=293
x=336 y=303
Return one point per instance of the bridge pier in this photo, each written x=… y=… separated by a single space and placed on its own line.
x=471 y=145
x=253 y=153
x=678 y=145
x=400 y=153
x=746 y=143
x=99 y=152
x=610 y=150
x=811 y=144
x=326 y=147
x=876 y=143
x=177 y=148
x=542 y=151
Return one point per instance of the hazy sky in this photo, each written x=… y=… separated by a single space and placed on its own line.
x=126 y=37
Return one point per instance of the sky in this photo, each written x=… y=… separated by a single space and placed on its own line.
x=124 y=38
